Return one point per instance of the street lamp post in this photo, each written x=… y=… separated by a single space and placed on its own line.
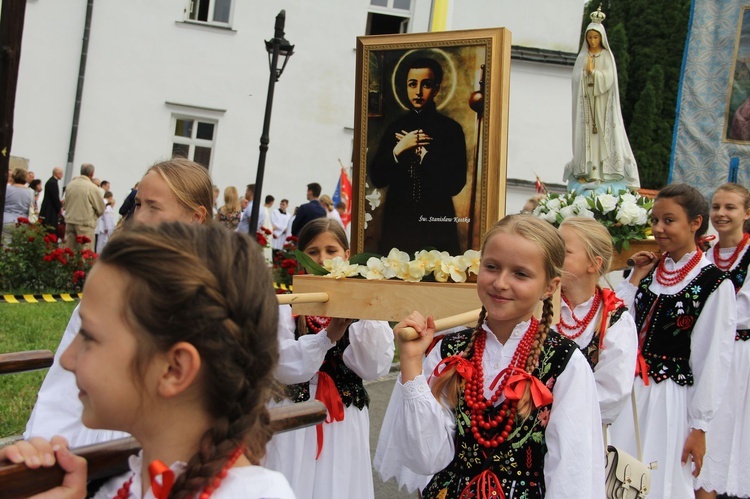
x=277 y=47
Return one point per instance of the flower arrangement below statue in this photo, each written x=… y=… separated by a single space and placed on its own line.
x=625 y=214
x=433 y=265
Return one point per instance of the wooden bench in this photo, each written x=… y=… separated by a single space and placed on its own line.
x=111 y=458
x=25 y=361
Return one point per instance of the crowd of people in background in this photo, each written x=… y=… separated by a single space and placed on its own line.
x=90 y=208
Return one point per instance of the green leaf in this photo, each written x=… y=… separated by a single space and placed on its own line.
x=307 y=262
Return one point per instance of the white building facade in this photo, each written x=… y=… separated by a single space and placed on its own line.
x=192 y=75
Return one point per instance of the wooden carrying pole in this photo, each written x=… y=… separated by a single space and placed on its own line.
x=409 y=333
x=111 y=458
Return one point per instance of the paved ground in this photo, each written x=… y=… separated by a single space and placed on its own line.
x=380 y=394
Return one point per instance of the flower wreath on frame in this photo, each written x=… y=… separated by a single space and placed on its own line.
x=427 y=265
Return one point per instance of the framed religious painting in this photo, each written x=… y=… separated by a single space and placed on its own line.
x=431 y=121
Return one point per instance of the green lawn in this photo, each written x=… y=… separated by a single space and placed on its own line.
x=26 y=326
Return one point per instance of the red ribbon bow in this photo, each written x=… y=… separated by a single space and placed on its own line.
x=464 y=367
x=161 y=488
x=540 y=394
x=329 y=395
x=610 y=302
x=641 y=368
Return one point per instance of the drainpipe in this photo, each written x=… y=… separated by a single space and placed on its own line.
x=79 y=93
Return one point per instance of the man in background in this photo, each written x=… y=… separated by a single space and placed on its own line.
x=84 y=205
x=310 y=210
x=51 y=204
x=280 y=220
x=244 y=225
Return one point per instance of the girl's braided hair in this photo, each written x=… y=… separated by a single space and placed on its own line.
x=210 y=287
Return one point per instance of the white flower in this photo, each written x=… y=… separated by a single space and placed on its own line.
x=395 y=264
x=586 y=213
x=627 y=197
x=550 y=216
x=608 y=202
x=373 y=270
x=470 y=260
x=427 y=259
x=453 y=267
x=568 y=211
x=581 y=203
x=632 y=214
x=374 y=199
x=414 y=272
x=368 y=218
x=554 y=204
x=338 y=267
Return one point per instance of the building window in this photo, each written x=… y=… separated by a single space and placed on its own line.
x=210 y=11
x=387 y=17
x=193 y=139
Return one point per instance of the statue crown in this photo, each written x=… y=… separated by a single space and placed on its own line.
x=598 y=16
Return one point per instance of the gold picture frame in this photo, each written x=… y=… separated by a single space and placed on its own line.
x=430 y=85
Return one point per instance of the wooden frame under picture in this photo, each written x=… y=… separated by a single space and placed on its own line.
x=431 y=128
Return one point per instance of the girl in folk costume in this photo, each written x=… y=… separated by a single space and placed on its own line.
x=327 y=359
x=184 y=364
x=595 y=318
x=685 y=314
x=727 y=439
x=506 y=410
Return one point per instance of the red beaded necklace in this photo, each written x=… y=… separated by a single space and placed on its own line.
x=726 y=263
x=124 y=491
x=580 y=325
x=474 y=392
x=316 y=323
x=672 y=277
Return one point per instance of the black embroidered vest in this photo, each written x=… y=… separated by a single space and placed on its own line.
x=349 y=385
x=519 y=461
x=666 y=347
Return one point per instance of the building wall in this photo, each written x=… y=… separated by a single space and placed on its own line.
x=142 y=55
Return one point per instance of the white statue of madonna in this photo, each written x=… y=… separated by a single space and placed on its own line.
x=602 y=157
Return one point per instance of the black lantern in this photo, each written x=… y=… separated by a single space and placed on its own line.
x=277 y=47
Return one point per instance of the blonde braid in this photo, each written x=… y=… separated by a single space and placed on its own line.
x=525 y=405
x=448 y=386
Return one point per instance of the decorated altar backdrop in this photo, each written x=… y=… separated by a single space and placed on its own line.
x=711 y=143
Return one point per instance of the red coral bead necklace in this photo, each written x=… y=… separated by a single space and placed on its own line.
x=726 y=263
x=672 y=277
x=579 y=325
x=474 y=392
x=316 y=323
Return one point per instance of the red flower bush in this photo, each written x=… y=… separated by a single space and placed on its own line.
x=285 y=265
x=33 y=262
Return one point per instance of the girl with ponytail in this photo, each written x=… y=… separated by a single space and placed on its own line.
x=174 y=348
x=508 y=408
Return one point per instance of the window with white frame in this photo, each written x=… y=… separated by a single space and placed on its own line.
x=193 y=138
x=386 y=17
x=210 y=11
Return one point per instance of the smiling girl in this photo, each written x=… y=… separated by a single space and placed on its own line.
x=728 y=441
x=685 y=314
x=174 y=349
x=509 y=408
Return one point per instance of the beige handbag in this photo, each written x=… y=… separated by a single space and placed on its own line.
x=625 y=476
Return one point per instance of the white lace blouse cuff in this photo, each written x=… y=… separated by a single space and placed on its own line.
x=698 y=424
x=415 y=388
